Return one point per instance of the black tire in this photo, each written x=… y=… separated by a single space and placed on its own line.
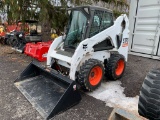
x=7 y=41
x=111 y=67
x=91 y=74
x=149 y=99
x=14 y=42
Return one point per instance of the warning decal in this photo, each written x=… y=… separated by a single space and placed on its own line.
x=125 y=42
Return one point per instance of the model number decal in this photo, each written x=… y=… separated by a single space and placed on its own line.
x=125 y=42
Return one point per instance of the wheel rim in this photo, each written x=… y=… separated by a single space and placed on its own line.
x=95 y=75
x=120 y=67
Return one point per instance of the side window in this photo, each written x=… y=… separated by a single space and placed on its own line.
x=107 y=21
x=101 y=21
x=96 y=23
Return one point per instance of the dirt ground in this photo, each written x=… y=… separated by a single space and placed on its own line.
x=136 y=70
x=14 y=106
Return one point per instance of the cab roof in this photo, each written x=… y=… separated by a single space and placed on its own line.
x=91 y=8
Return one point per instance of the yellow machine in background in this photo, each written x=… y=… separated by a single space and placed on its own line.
x=53 y=36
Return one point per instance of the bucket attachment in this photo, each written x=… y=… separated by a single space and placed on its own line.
x=47 y=90
x=37 y=50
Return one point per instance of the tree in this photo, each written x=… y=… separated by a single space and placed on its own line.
x=42 y=10
x=52 y=17
x=49 y=15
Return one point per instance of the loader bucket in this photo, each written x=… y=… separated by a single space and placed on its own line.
x=47 y=90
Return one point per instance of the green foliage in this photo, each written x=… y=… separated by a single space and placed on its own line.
x=118 y=13
x=44 y=10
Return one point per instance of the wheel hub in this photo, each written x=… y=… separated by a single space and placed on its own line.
x=119 y=67
x=95 y=75
x=92 y=74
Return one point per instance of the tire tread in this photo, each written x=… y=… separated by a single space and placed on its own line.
x=149 y=100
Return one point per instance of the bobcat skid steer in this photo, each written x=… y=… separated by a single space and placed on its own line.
x=80 y=58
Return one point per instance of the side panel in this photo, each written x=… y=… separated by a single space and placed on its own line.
x=100 y=55
x=52 y=48
x=145 y=35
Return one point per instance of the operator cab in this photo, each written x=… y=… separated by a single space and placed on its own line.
x=85 y=22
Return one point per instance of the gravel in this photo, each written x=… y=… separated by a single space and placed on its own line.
x=14 y=106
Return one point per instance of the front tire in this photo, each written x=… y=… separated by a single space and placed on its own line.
x=91 y=74
x=149 y=99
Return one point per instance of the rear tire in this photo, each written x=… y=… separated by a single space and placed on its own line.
x=91 y=74
x=115 y=67
x=149 y=99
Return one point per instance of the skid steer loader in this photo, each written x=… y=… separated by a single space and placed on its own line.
x=80 y=58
